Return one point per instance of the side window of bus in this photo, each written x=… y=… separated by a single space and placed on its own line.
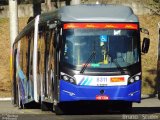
x=20 y=64
x=25 y=55
x=45 y=51
x=50 y=49
x=25 y=47
x=41 y=51
x=30 y=54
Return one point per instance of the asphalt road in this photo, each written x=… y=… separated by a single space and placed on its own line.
x=148 y=109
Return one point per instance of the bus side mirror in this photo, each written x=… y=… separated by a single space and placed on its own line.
x=145 y=45
x=145 y=31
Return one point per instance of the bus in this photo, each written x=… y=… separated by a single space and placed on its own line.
x=79 y=53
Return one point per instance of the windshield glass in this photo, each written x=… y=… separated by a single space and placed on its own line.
x=109 y=45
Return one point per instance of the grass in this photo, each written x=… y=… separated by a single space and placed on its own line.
x=149 y=61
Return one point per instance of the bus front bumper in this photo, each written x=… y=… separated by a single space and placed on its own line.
x=71 y=92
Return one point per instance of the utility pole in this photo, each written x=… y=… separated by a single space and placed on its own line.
x=36 y=7
x=13 y=20
x=75 y=2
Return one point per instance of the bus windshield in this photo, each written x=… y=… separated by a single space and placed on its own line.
x=109 y=46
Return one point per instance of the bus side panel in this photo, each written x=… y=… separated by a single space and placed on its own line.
x=25 y=80
x=13 y=73
x=23 y=69
x=46 y=63
x=29 y=66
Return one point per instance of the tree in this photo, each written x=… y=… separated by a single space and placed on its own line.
x=153 y=6
x=48 y=4
x=67 y=2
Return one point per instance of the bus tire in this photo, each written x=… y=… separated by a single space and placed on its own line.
x=59 y=110
x=45 y=106
x=14 y=82
x=18 y=99
x=126 y=107
x=159 y=95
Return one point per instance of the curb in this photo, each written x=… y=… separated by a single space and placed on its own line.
x=6 y=99
x=143 y=96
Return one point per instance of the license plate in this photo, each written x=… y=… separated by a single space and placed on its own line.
x=102 y=97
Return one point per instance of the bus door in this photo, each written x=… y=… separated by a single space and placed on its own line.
x=49 y=64
x=46 y=62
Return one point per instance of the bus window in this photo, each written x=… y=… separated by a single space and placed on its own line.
x=31 y=56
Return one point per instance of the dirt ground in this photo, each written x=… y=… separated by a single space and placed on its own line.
x=149 y=61
x=5 y=81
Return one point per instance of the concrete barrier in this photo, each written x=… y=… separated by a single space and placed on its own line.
x=24 y=10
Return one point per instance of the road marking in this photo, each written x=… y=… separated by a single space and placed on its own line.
x=5 y=99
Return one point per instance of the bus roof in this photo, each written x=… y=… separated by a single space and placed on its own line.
x=97 y=13
x=86 y=13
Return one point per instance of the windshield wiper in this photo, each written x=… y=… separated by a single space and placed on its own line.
x=117 y=64
x=88 y=61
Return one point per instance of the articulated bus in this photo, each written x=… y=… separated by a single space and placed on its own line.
x=79 y=53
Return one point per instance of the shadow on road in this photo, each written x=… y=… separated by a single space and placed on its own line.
x=145 y=110
x=135 y=110
x=107 y=109
x=93 y=109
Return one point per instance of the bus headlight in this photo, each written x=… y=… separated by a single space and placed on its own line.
x=131 y=80
x=137 y=77
x=134 y=78
x=71 y=80
x=68 y=78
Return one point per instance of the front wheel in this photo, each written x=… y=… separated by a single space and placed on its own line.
x=18 y=98
x=159 y=95
x=121 y=106
x=126 y=107
x=45 y=106
x=59 y=109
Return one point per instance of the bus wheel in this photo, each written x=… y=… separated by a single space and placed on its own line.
x=18 y=99
x=159 y=95
x=14 y=93
x=45 y=106
x=59 y=109
x=126 y=107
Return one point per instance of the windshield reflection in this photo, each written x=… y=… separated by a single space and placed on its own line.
x=109 y=45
